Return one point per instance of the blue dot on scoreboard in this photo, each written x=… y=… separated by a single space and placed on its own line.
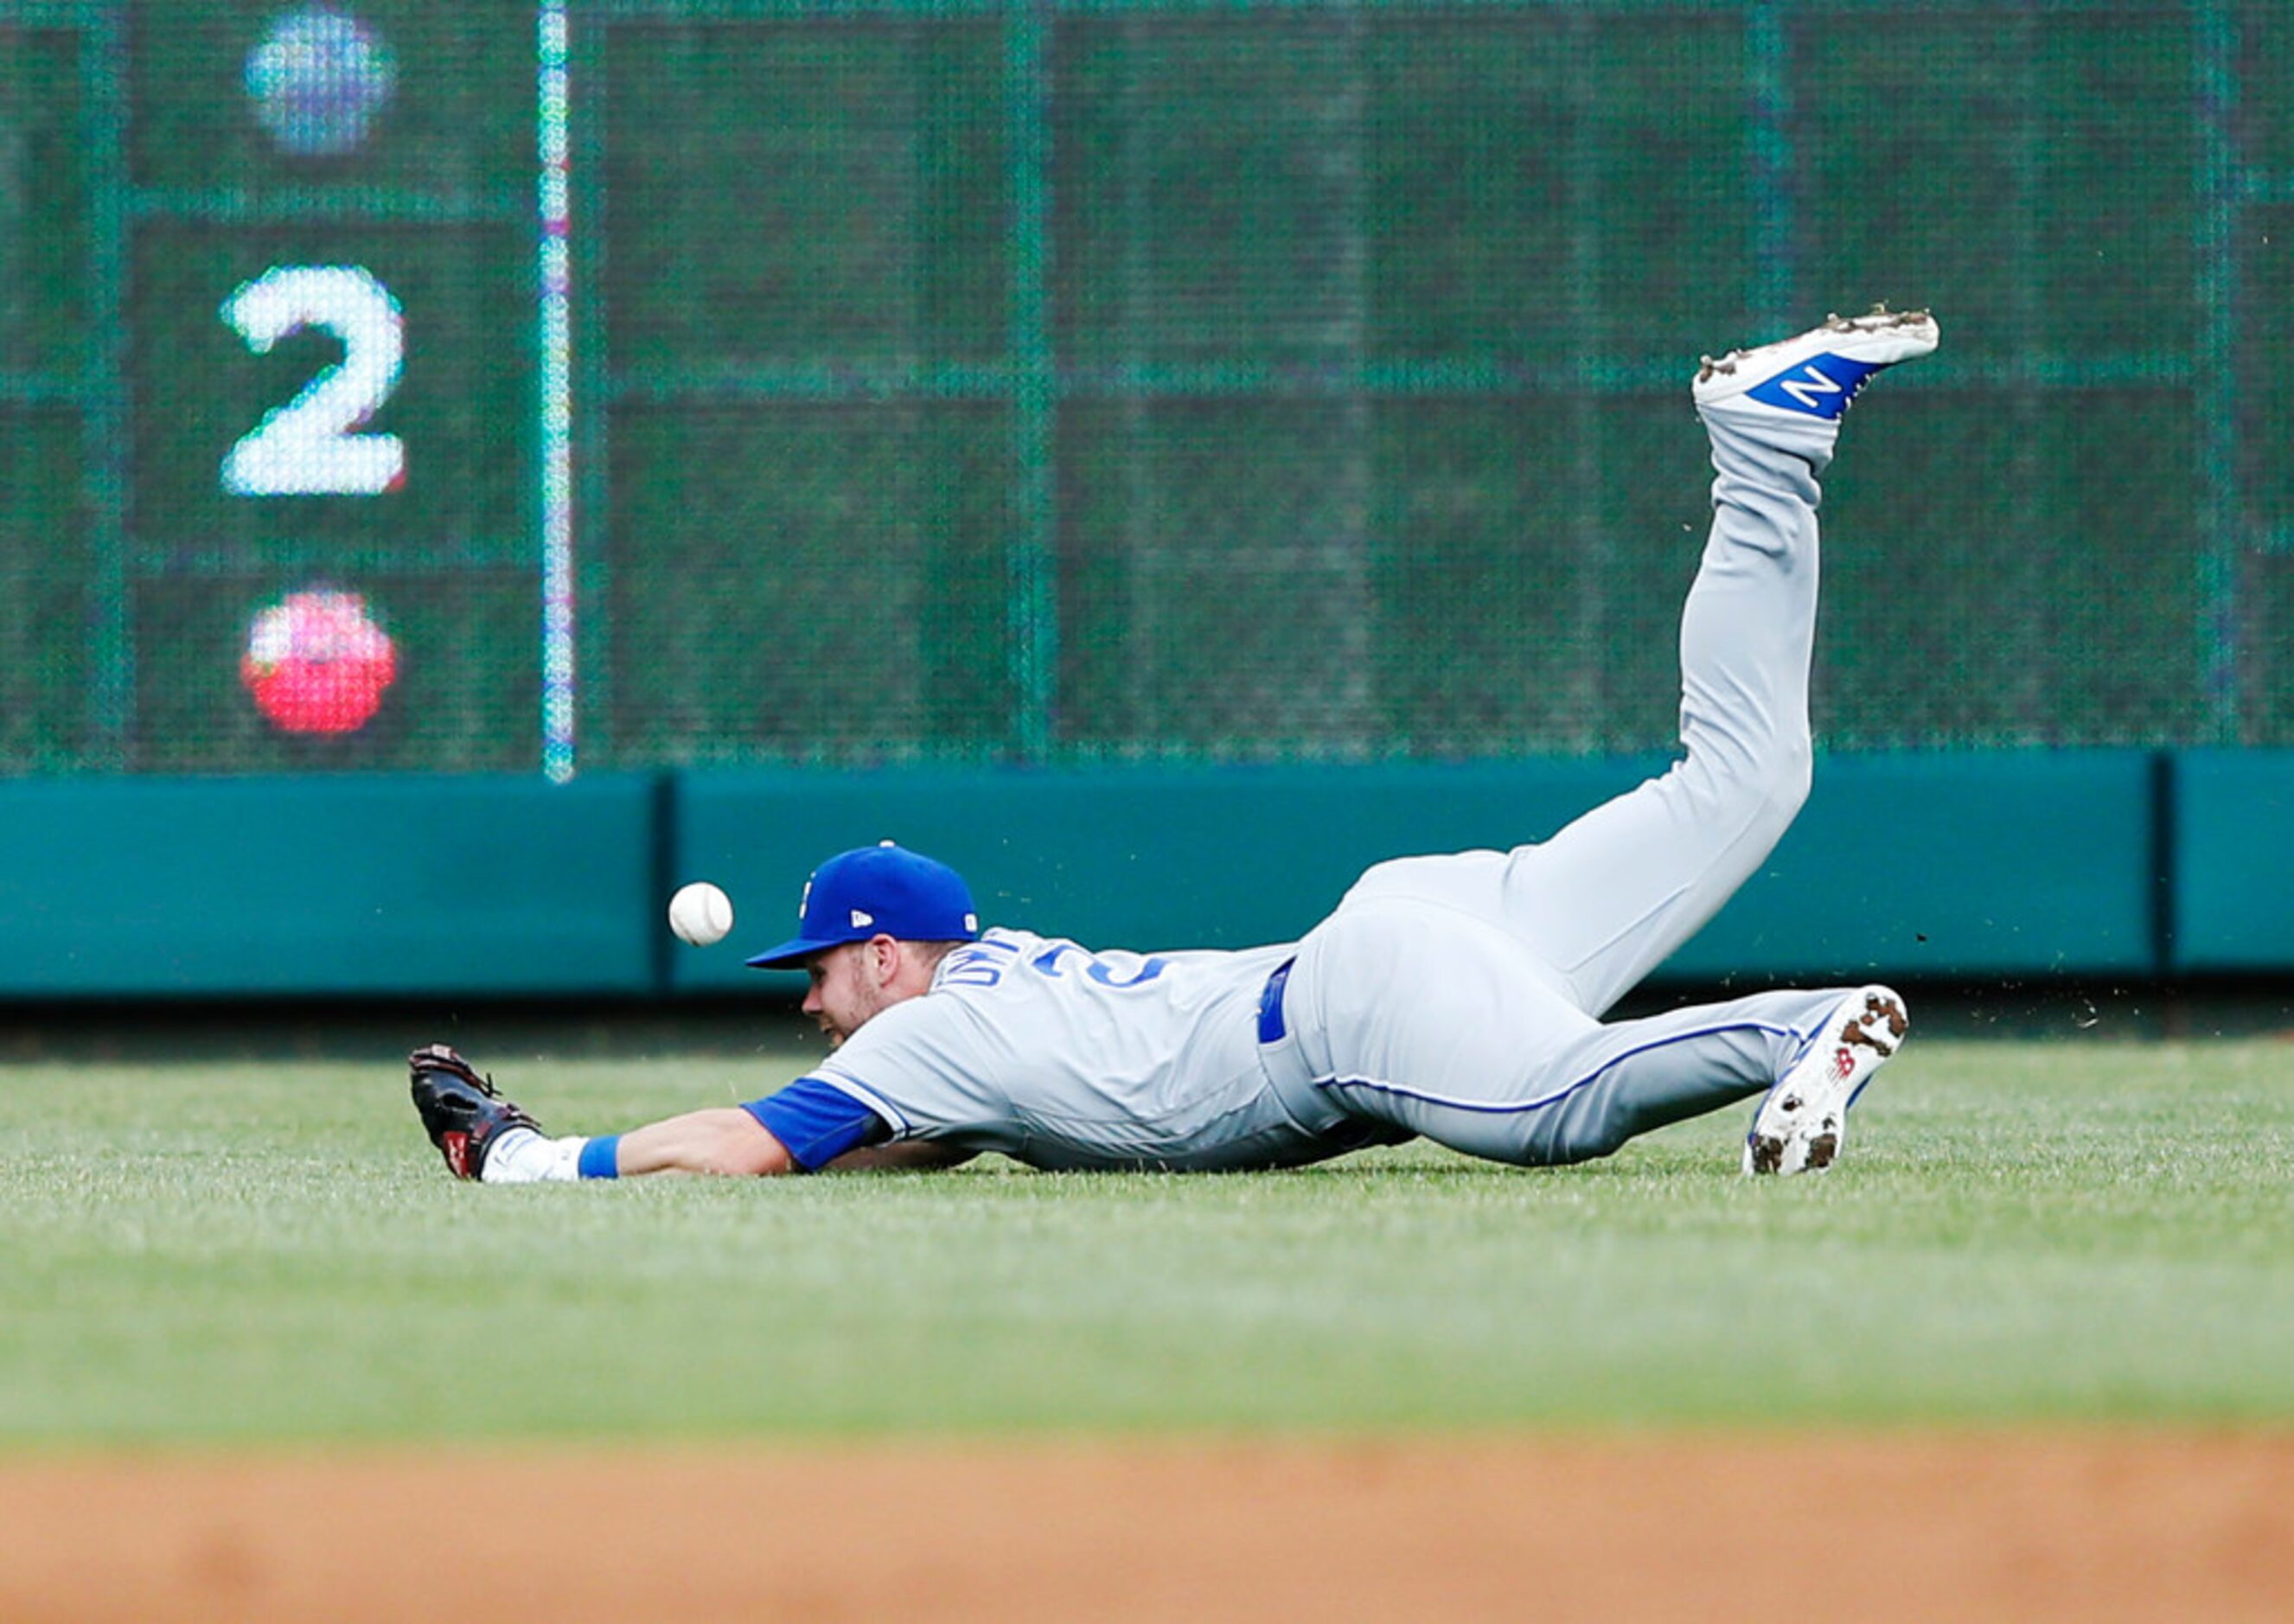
x=318 y=77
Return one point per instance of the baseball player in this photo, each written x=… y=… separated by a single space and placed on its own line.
x=1456 y=997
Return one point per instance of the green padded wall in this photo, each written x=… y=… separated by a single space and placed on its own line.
x=1960 y=866
x=1913 y=865
x=2234 y=861
x=1916 y=865
x=1112 y=857
x=471 y=885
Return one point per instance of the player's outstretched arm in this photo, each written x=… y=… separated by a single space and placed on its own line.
x=723 y=1139
x=485 y=1136
x=728 y=1139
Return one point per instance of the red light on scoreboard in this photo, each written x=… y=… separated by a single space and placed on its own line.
x=317 y=663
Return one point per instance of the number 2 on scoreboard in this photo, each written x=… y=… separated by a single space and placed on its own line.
x=310 y=447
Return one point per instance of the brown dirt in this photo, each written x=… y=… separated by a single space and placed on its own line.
x=2023 y=1526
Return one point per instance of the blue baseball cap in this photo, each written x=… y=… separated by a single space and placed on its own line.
x=883 y=890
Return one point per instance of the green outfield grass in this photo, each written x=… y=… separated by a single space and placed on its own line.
x=270 y=1250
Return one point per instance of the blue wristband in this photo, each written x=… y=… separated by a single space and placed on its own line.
x=601 y=1157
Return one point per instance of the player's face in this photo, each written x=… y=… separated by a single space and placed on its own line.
x=847 y=989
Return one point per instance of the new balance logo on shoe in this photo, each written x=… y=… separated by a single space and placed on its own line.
x=1821 y=387
x=1814 y=375
x=1805 y=390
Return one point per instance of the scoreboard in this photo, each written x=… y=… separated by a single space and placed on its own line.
x=273 y=363
x=288 y=329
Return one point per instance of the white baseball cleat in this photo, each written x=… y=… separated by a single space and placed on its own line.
x=1803 y=1122
x=1817 y=374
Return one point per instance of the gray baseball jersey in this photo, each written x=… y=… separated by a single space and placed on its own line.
x=1063 y=1057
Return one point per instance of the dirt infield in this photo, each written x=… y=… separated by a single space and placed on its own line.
x=2021 y=1526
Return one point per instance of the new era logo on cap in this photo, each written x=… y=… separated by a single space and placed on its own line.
x=876 y=890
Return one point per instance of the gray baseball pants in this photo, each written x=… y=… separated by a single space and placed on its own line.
x=1459 y=996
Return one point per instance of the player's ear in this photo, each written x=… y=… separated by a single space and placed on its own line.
x=884 y=954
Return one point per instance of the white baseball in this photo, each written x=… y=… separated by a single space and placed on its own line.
x=700 y=913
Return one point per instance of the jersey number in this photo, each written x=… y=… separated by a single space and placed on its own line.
x=982 y=965
x=1098 y=969
x=309 y=447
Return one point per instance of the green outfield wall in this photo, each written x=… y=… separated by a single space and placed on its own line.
x=2126 y=865
x=2232 y=857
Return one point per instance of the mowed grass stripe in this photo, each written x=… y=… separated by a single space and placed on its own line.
x=2076 y=1231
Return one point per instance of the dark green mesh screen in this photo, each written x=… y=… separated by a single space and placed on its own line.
x=1115 y=380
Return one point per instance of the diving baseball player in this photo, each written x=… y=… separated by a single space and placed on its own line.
x=1455 y=997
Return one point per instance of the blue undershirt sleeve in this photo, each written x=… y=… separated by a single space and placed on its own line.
x=818 y=1121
